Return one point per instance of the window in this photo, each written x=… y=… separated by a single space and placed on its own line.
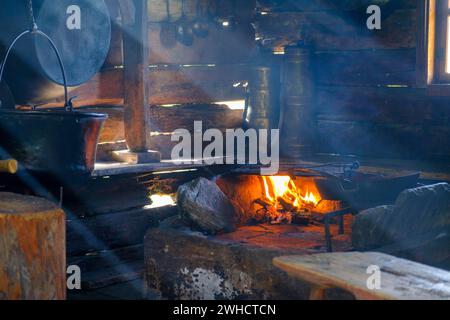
x=434 y=43
x=442 y=42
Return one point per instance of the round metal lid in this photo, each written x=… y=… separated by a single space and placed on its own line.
x=81 y=30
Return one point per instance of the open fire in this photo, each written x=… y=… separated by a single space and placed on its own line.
x=286 y=202
x=283 y=187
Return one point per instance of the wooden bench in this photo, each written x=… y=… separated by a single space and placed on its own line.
x=399 y=279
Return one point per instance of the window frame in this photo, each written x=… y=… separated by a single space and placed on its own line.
x=427 y=70
x=442 y=42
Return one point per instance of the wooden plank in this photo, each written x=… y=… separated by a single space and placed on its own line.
x=114 y=230
x=129 y=290
x=335 y=30
x=104 y=259
x=366 y=68
x=169 y=119
x=135 y=46
x=113 y=275
x=425 y=42
x=202 y=84
x=320 y=5
x=298 y=5
x=109 y=267
x=382 y=140
x=177 y=85
x=157 y=11
x=379 y=104
x=400 y=279
x=103 y=169
x=104 y=196
x=382 y=122
x=163 y=144
x=105 y=88
x=430 y=171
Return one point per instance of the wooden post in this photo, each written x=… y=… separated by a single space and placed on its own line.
x=32 y=249
x=135 y=46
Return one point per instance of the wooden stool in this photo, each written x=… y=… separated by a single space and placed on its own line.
x=32 y=249
x=399 y=279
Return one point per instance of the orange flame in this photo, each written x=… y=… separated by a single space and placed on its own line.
x=277 y=187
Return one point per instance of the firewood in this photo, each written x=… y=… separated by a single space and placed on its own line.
x=288 y=206
x=32 y=249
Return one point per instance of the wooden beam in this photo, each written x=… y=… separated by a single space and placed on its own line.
x=112 y=231
x=135 y=44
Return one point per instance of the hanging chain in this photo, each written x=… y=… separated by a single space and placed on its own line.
x=34 y=26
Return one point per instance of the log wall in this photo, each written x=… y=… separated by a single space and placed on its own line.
x=368 y=100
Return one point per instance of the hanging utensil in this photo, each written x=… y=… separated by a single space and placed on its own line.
x=201 y=23
x=231 y=22
x=185 y=33
x=67 y=146
x=213 y=14
x=168 y=33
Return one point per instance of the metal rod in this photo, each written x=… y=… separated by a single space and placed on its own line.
x=341 y=225
x=58 y=55
x=328 y=235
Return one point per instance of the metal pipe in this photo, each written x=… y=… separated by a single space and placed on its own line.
x=296 y=120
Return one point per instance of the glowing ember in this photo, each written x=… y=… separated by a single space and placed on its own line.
x=283 y=188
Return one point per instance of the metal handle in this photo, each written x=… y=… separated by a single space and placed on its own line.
x=35 y=31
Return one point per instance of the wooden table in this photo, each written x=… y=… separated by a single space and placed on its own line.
x=399 y=279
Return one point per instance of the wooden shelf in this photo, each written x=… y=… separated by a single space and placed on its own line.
x=103 y=169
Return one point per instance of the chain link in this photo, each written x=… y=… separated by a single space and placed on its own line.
x=34 y=26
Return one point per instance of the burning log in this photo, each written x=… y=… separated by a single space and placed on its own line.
x=247 y=196
x=272 y=200
x=203 y=205
x=286 y=204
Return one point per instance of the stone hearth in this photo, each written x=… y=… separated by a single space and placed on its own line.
x=182 y=264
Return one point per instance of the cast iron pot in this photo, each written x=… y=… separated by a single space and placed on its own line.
x=58 y=143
